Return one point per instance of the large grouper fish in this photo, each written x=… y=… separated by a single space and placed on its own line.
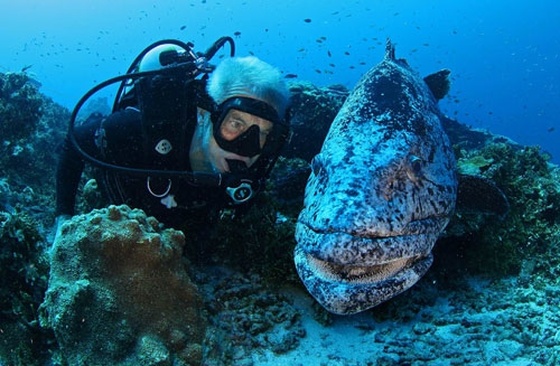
x=381 y=191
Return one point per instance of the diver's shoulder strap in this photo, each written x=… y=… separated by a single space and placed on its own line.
x=168 y=108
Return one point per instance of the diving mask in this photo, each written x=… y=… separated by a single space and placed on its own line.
x=247 y=139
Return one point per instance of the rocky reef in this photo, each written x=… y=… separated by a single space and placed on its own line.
x=19 y=100
x=31 y=128
x=116 y=288
x=119 y=292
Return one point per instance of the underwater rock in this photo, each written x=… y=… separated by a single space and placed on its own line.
x=119 y=293
x=312 y=111
x=246 y=316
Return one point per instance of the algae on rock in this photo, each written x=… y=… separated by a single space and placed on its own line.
x=119 y=292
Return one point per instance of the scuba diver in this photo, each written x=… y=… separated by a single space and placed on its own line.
x=185 y=139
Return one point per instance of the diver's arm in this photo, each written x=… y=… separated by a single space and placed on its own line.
x=68 y=174
x=71 y=164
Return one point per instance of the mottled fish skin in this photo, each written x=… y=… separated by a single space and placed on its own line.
x=382 y=189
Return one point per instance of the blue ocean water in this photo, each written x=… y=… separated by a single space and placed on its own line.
x=504 y=55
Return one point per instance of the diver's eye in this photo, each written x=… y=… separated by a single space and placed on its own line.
x=232 y=128
x=237 y=124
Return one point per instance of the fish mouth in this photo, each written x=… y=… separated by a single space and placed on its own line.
x=357 y=255
x=347 y=274
x=350 y=289
x=359 y=274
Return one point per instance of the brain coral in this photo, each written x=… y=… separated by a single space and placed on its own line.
x=119 y=292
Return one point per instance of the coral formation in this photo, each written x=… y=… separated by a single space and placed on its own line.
x=119 y=292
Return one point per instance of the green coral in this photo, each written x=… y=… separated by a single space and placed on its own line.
x=473 y=165
x=105 y=301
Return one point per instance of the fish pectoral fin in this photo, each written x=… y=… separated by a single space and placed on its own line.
x=481 y=195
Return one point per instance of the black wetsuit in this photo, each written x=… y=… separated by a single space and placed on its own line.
x=128 y=138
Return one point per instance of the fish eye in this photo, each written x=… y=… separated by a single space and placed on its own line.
x=416 y=165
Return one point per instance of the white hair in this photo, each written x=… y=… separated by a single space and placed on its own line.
x=250 y=77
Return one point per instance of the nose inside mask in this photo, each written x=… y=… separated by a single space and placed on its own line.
x=247 y=144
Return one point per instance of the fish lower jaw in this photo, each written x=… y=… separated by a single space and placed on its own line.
x=349 y=290
x=359 y=274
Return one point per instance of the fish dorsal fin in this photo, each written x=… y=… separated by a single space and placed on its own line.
x=389 y=50
x=439 y=83
x=478 y=194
